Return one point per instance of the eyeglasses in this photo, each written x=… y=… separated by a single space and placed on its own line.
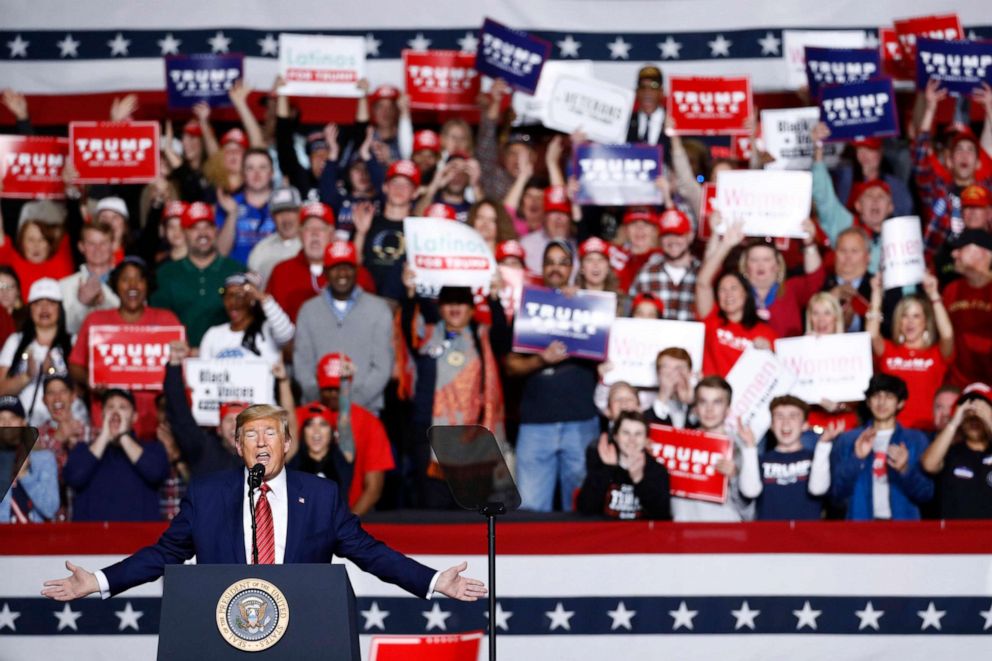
x=4 y=286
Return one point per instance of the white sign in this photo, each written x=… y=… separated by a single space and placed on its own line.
x=785 y=135
x=321 y=66
x=213 y=382
x=794 y=43
x=635 y=343
x=834 y=367
x=529 y=109
x=757 y=378
x=445 y=252
x=902 y=252
x=767 y=203
x=600 y=109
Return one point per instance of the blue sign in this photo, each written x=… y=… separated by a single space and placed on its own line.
x=512 y=55
x=190 y=79
x=839 y=66
x=581 y=321
x=618 y=175
x=860 y=110
x=960 y=66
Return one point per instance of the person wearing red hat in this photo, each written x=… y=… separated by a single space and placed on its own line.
x=86 y=289
x=594 y=267
x=171 y=224
x=284 y=205
x=968 y=300
x=640 y=228
x=960 y=457
x=557 y=226
x=387 y=112
x=426 y=152
x=344 y=318
x=976 y=208
x=647 y=306
x=452 y=184
x=941 y=199
x=353 y=441
x=379 y=236
x=869 y=164
x=669 y=275
x=191 y=287
x=199 y=143
x=511 y=253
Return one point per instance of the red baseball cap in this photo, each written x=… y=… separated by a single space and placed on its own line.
x=236 y=136
x=390 y=92
x=976 y=195
x=329 y=370
x=975 y=390
x=192 y=127
x=862 y=187
x=227 y=408
x=593 y=244
x=511 y=248
x=196 y=213
x=648 y=298
x=406 y=169
x=674 y=221
x=556 y=199
x=340 y=252
x=441 y=210
x=964 y=133
x=174 y=209
x=868 y=143
x=317 y=210
x=639 y=214
x=428 y=140
x=308 y=412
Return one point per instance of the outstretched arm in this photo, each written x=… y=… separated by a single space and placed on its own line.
x=452 y=584
x=81 y=583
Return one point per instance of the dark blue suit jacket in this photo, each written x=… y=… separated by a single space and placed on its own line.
x=210 y=526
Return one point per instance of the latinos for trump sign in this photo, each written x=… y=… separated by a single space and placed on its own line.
x=618 y=175
x=786 y=138
x=860 y=110
x=635 y=343
x=31 y=166
x=902 y=252
x=441 y=79
x=960 y=66
x=708 y=106
x=835 y=367
x=131 y=357
x=321 y=66
x=443 y=252
x=190 y=79
x=794 y=43
x=767 y=203
x=114 y=152
x=582 y=322
x=757 y=377
x=910 y=30
x=599 y=109
x=838 y=66
x=214 y=382
x=513 y=55
x=691 y=457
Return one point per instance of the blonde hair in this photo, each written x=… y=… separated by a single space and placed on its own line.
x=930 y=334
x=261 y=412
x=830 y=300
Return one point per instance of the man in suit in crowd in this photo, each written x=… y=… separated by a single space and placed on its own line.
x=300 y=518
x=647 y=122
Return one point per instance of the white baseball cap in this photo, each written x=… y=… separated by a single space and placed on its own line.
x=114 y=204
x=45 y=289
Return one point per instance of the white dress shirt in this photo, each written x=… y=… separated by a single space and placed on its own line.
x=649 y=126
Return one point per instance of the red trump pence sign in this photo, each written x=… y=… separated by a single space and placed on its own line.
x=31 y=166
x=114 y=152
x=707 y=106
x=131 y=357
x=946 y=27
x=441 y=79
x=691 y=457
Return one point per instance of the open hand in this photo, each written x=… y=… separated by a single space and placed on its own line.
x=80 y=584
x=452 y=584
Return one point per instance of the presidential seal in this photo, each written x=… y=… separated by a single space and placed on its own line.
x=252 y=615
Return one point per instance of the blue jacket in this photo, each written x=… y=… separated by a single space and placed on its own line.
x=851 y=478
x=42 y=486
x=210 y=526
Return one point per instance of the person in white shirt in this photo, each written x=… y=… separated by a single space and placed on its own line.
x=87 y=289
x=258 y=327
x=285 y=241
x=648 y=122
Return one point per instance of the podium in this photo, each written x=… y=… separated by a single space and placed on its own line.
x=264 y=612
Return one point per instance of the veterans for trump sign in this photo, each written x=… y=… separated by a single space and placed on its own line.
x=582 y=322
x=190 y=79
x=114 y=152
x=838 y=66
x=902 y=252
x=321 y=66
x=834 y=367
x=599 y=109
x=441 y=79
x=757 y=377
x=513 y=55
x=860 y=110
x=960 y=66
x=708 y=106
x=767 y=203
x=618 y=174
x=129 y=356
x=31 y=166
x=635 y=343
x=443 y=252
x=215 y=382
x=691 y=456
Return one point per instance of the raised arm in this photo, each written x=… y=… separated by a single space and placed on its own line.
x=716 y=253
x=945 y=329
x=873 y=318
x=239 y=99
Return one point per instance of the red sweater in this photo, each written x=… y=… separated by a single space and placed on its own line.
x=292 y=284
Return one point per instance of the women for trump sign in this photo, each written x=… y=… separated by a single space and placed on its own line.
x=767 y=203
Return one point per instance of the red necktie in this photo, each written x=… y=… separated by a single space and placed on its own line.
x=265 y=530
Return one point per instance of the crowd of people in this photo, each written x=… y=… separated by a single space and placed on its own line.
x=283 y=242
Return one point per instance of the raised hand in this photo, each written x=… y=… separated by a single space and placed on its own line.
x=15 y=102
x=864 y=442
x=122 y=108
x=898 y=458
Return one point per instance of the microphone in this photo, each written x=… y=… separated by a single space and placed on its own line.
x=255 y=475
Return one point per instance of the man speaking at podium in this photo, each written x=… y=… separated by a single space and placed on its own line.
x=300 y=518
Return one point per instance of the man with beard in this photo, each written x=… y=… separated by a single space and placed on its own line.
x=346 y=319
x=960 y=457
x=190 y=287
x=669 y=276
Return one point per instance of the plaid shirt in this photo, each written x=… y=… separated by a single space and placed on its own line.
x=679 y=299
